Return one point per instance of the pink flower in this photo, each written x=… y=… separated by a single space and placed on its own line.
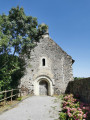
x=79 y=109
x=73 y=109
x=83 y=108
x=84 y=115
x=87 y=108
x=70 y=115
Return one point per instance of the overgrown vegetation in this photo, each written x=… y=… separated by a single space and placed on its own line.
x=78 y=78
x=19 y=98
x=19 y=34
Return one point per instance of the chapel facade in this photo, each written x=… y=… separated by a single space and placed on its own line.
x=48 y=70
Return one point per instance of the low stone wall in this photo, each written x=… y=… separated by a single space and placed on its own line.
x=80 y=87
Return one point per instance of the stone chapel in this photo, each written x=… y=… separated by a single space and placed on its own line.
x=49 y=69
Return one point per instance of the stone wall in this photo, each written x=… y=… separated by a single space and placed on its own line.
x=80 y=87
x=58 y=67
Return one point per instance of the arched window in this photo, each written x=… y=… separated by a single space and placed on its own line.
x=43 y=62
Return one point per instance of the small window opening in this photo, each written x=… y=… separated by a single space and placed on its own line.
x=43 y=62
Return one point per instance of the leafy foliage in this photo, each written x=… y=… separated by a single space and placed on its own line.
x=19 y=31
x=78 y=78
x=63 y=116
x=18 y=35
x=8 y=65
x=19 y=98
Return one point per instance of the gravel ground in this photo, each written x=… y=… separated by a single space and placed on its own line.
x=34 y=108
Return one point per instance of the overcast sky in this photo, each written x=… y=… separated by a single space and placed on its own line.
x=69 y=26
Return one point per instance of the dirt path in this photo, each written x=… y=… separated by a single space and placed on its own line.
x=34 y=108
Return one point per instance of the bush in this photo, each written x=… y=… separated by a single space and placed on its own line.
x=73 y=109
x=19 y=98
x=63 y=116
x=61 y=97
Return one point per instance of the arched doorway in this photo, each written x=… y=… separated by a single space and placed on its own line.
x=43 y=87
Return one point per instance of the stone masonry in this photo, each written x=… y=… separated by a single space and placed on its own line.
x=80 y=87
x=48 y=63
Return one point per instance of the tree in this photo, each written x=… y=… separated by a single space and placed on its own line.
x=18 y=35
x=20 y=31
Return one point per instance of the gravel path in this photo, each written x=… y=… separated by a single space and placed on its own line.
x=34 y=108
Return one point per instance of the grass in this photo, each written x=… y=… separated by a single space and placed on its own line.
x=8 y=104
